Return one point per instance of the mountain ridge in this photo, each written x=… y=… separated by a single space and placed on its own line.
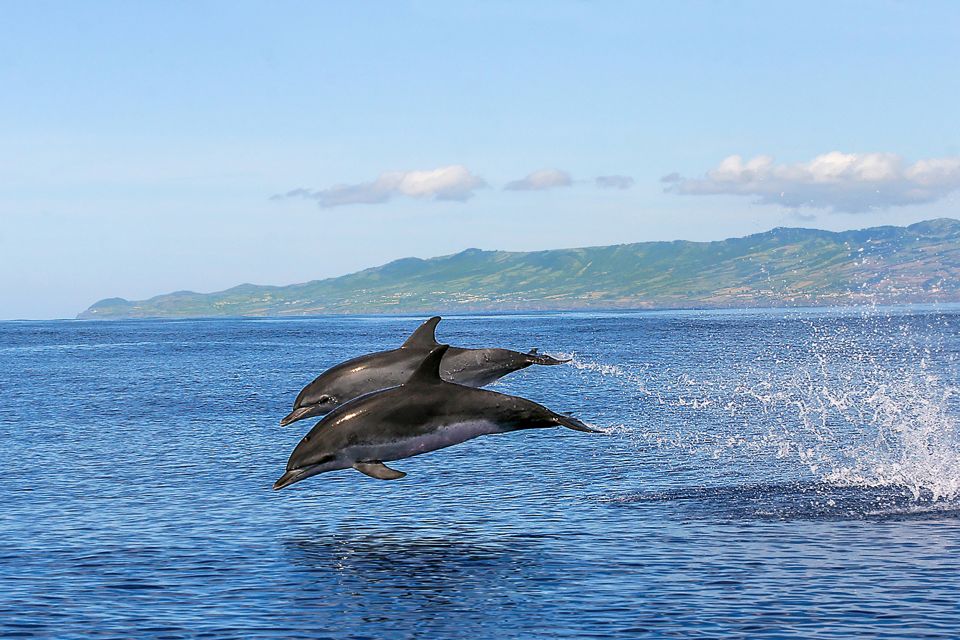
x=785 y=266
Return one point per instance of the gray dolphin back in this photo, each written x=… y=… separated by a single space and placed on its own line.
x=480 y=367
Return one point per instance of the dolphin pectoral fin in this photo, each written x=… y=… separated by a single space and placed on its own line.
x=378 y=470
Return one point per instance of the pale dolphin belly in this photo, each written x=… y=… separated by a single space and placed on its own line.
x=445 y=436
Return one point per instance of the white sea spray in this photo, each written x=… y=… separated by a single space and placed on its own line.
x=858 y=406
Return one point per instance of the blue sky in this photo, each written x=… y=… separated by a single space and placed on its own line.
x=148 y=148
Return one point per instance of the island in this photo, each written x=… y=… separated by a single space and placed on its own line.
x=784 y=267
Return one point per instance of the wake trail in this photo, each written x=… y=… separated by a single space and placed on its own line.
x=846 y=415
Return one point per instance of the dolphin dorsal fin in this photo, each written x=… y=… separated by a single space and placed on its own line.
x=429 y=369
x=424 y=335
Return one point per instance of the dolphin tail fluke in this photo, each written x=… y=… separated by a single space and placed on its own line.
x=535 y=357
x=573 y=423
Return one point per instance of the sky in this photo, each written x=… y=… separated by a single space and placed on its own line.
x=155 y=147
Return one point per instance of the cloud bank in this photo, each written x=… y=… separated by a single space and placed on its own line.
x=840 y=182
x=454 y=182
x=541 y=180
x=614 y=182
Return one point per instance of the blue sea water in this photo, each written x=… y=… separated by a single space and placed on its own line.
x=761 y=474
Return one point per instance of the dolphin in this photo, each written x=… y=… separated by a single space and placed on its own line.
x=423 y=414
x=374 y=371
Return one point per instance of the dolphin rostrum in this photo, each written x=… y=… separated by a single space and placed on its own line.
x=375 y=371
x=423 y=414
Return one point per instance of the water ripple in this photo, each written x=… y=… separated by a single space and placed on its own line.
x=764 y=475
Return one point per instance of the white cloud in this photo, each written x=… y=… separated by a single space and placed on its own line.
x=841 y=182
x=540 y=180
x=614 y=182
x=454 y=182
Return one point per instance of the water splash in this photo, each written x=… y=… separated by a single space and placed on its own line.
x=870 y=404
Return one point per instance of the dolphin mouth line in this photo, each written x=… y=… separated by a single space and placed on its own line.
x=293 y=476
x=295 y=415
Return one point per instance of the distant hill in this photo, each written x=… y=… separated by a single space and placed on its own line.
x=782 y=267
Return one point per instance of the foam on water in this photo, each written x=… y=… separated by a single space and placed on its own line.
x=858 y=407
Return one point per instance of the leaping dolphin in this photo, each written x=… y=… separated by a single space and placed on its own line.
x=423 y=414
x=374 y=371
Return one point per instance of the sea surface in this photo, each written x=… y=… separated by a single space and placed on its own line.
x=762 y=474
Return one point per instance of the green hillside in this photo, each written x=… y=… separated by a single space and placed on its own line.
x=782 y=267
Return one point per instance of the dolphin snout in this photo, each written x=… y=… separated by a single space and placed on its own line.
x=297 y=414
x=307 y=467
x=288 y=478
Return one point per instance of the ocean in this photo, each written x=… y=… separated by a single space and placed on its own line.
x=761 y=474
